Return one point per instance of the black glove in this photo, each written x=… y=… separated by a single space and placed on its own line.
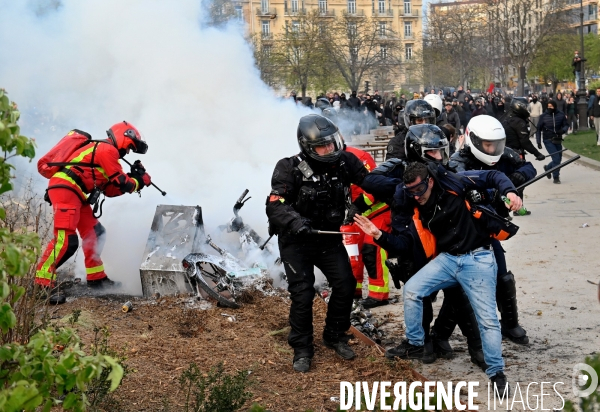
x=517 y=178
x=540 y=146
x=353 y=210
x=303 y=230
x=539 y=157
x=137 y=168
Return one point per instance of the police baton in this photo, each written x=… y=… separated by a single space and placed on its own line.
x=547 y=172
x=560 y=151
x=162 y=192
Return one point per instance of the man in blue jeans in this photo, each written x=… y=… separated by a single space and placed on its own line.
x=464 y=257
x=553 y=125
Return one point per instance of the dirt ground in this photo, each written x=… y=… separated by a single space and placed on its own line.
x=162 y=337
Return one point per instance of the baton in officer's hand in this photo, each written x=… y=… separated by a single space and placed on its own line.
x=560 y=151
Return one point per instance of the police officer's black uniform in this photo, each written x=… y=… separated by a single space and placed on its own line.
x=310 y=192
x=516 y=128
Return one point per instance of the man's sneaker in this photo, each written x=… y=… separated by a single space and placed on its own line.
x=104 y=283
x=556 y=180
x=302 y=364
x=442 y=349
x=405 y=351
x=477 y=358
x=499 y=385
x=549 y=176
x=369 y=302
x=341 y=348
x=428 y=353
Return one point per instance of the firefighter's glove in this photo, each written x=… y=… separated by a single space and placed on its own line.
x=540 y=157
x=137 y=168
x=517 y=178
x=142 y=179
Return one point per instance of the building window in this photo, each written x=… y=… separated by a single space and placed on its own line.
x=351 y=6
x=407 y=8
x=381 y=6
x=351 y=29
x=266 y=28
x=295 y=26
x=239 y=13
x=267 y=51
x=323 y=6
x=408 y=51
x=408 y=29
x=382 y=29
x=383 y=51
x=294 y=6
x=264 y=6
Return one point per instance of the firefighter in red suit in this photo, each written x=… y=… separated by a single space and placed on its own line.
x=370 y=255
x=93 y=167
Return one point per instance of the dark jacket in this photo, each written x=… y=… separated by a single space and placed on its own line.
x=595 y=107
x=577 y=64
x=452 y=118
x=285 y=210
x=454 y=227
x=561 y=105
x=479 y=111
x=395 y=148
x=353 y=103
x=511 y=164
x=517 y=134
x=553 y=125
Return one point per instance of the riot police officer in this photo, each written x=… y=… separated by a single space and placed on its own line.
x=416 y=112
x=516 y=128
x=485 y=150
x=309 y=193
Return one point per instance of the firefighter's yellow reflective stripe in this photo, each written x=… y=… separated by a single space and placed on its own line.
x=71 y=132
x=61 y=175
x=359 y=285
x=80 y=157
x=93 y=270
x=136 y=185
x=375 y=208
x=386 y=275
x=44 y=272
x=367 y=200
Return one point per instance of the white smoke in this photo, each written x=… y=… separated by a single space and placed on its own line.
x=212 y=126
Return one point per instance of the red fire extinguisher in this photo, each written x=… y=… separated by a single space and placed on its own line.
x=351 y=241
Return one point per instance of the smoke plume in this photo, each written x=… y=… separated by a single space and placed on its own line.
x=212 y=126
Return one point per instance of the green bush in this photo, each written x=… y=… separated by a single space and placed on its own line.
x=48 y=368
x=214 y=391
x=591 y=402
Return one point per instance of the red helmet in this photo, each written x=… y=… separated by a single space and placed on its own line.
x=125 y=136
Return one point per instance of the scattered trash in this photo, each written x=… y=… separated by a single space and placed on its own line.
x=230 y=318
x=585 y=225
x=334 y=399
x=593 y=283
x=127 y=307
x=362 y=319
x=539 y=313
x=573 y=308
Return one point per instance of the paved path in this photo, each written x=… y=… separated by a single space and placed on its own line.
x=552 y=257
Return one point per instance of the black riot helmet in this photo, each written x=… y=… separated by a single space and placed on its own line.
x=518 y=106
x=315 y=130
x=418 y=109
x=426 y=143
x=322 y=103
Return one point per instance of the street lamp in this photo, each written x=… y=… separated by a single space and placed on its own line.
x=582 y=102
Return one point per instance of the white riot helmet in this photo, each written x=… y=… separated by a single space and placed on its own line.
x=486 y=138
x=435 y=101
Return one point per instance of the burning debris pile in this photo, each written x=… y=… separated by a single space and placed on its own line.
x=178 y=258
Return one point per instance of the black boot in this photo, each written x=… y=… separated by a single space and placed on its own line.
x=53 y=296
x=506 y=298
x=477 y=357
x=441 y=347
x=405 y=351
x=428 y=352
x=499 y=385
x=104 y=283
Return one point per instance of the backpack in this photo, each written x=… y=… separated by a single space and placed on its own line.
x=59 y=156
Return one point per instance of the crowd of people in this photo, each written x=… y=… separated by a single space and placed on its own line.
x=431 y=217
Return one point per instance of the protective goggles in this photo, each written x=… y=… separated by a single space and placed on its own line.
x=419 y=189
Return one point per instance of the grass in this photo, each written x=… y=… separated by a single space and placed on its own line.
x=584 y=144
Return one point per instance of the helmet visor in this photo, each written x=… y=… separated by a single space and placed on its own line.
x=139 y=145
x=488 y=147
x=327 y=147
x=438 y=154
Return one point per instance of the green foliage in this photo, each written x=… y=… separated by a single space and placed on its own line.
x=553 y=60
x=591 y=402
x=214 y=391
x=74 y=317
x=583 y=143
x=50 y=367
